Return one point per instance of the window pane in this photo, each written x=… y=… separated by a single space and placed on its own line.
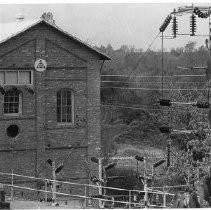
x=58 y=98
x=63 y=112
x=16 y=109
x=1 y=77
x=69 y=110
x=24 y=77
x=58 y=114
x=10 y=108
x=11 y=77
x=64 y=106
x=69 y=98
x=11 y=102
x=69 y=118
x=64 y=98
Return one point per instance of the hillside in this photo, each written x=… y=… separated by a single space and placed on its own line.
x=131 y=115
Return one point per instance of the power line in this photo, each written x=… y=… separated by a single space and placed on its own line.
x=110 y=81
x=134 y=68
x=154 y=89
x=130 y=107
x=151 y=76
x=124 y=106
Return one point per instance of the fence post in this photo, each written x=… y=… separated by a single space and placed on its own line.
x=145 y=198
x=145 y=185
x=54 y=182
x=46 y=195
x=85 y=203
x=12 y=182
x=164 y=197
x=100 y=178
x=129 y=199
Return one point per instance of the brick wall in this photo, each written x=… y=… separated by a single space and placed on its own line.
x=70 y=65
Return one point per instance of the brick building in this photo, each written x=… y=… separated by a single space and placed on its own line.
x=51 y=112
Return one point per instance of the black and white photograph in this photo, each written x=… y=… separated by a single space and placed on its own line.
x=105 y=105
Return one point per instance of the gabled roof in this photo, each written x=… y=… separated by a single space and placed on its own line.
x=10 y=30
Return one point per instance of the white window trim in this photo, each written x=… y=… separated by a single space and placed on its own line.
x=5 y=71
x=20 y=108
x=72 y=108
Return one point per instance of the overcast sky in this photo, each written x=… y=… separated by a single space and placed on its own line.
x=118 y=24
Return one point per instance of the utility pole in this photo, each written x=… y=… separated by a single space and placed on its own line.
x=168 y=162
x=145 y=186
x=54 y=181
x=152 y=185
x=100 y=181
x=46 y=188
x=54 y=172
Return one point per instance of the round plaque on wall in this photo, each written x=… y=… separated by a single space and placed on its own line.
x=40 y=65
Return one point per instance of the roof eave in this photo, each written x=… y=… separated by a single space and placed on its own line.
x=19 y=32
x=102 y=56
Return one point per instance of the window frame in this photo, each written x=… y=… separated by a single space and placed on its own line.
x=18 y=72
x=72 y=107
x=20 y=95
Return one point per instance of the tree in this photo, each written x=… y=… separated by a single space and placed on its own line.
x=124 y=48
x=109 y=49
x=177 y=52
x=190 y=47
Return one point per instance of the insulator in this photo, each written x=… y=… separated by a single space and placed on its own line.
x=94 y=159
x=139 y=158
x=109 y=166
x=160 y=162
x=206 y=14
x=195 y=10
x=165 y=102
x=175 y=27
x=168 y=161
x=59 y=168
x=192 y=25
x=200 y=14
x=165 y=23
x=202 y=104
x=50 y=162
x=165 y=129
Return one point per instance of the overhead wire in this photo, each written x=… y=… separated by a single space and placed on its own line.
x=149 y=109
x=130 y=107
x=150 y=76
x=140 y=59
x=148 y=82
x=155 y=76
x=155 y=89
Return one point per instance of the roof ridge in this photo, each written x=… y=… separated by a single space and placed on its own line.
x=54 y=25
x=74 y=37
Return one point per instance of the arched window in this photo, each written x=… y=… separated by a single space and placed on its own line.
x=65 y=106
x=12 y=102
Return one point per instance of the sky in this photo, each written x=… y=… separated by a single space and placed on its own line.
x=117 y=23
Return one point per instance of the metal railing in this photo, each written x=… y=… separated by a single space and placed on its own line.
x=87 y=194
